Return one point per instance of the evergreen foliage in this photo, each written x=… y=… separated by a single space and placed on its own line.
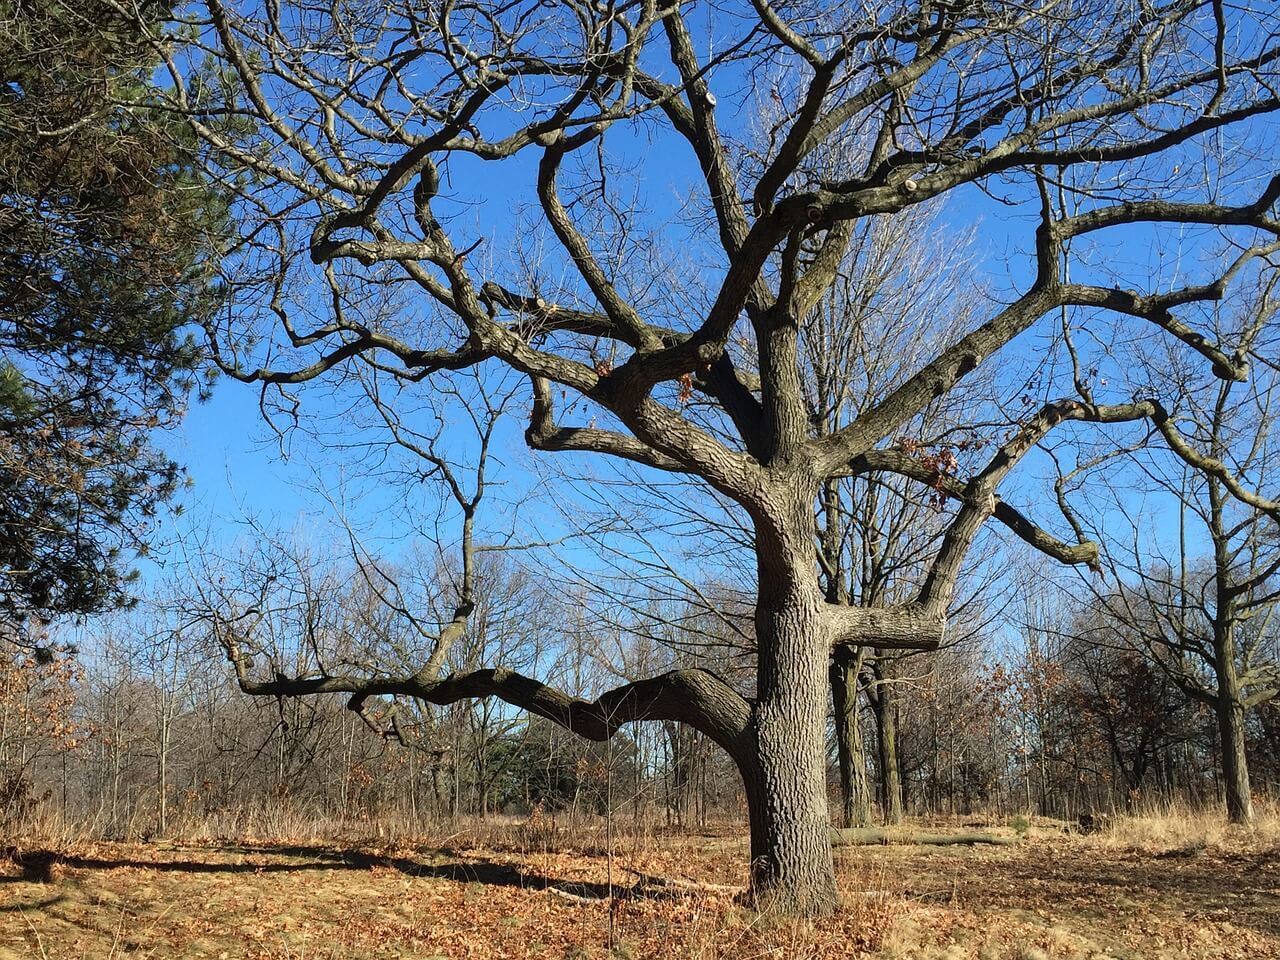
x=106 y=264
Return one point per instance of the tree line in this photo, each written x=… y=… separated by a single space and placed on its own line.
x=136 y=736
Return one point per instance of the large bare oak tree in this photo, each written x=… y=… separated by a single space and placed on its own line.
x=428 y=187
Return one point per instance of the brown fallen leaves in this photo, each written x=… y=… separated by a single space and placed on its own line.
x=670 y=898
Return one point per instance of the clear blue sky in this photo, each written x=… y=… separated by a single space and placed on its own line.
x=236 y=461
x=240 y=467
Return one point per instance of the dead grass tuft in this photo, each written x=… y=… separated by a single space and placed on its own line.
x=1175 y=828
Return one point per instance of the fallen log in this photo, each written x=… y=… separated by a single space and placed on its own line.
x=680 y=883
x=646 y=885
x=573 y=897
x=872 y=836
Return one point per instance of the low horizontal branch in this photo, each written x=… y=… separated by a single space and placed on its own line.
x=694 y=696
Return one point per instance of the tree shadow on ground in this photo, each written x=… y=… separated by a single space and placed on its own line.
x=1241 y=887
x=38 y=905
x=38 y=866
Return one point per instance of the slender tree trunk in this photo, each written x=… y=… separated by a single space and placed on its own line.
x=439 y=788
x=885 y=709
x=892 y=782
x=162 y=766
x=855 y=799
x=1235 y=766
x=1228 y=612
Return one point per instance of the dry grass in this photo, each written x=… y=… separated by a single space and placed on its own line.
x=557 y=889
x=1161 y=828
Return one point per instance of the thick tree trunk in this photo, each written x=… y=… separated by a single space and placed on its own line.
x=855 y=799
x=792 y=870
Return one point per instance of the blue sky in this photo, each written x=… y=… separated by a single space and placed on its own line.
x=240 y=468
x=236 y=461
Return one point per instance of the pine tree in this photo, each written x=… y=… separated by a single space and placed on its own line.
x=106 y=265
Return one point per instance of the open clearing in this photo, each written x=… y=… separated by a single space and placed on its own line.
x=1050 y=895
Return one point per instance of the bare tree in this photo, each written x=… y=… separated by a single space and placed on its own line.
x=1203 y=606
x=357 y=135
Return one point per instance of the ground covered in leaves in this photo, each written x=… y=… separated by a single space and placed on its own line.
x=564 y=896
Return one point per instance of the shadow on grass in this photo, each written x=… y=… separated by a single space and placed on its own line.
x=1243 y=888
x=24 y=907
x=38 y=866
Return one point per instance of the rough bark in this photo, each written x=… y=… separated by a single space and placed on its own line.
x=791 y=864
